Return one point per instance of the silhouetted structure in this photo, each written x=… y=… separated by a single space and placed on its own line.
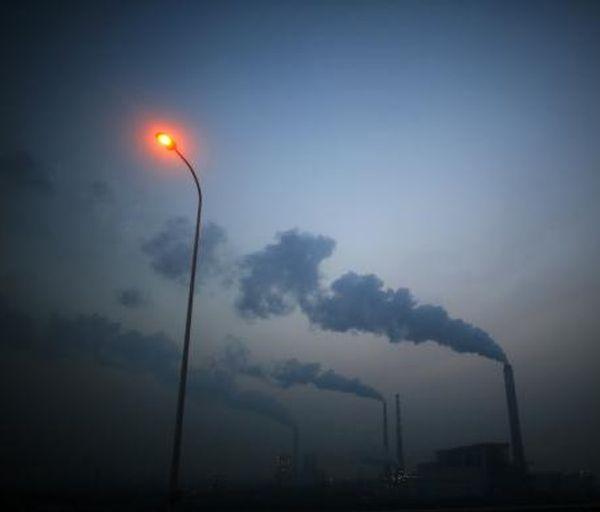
x=386 y=447
x=399 y=446
x=295 y=452
x=384 y=430
x=477 y=470
x=284 y=469
x=311 y=474
x=513 y=418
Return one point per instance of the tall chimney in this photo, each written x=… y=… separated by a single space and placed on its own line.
x=386 y=464
x=295 y=452
x=385 y=428
x=399 y=446
x=513 y=418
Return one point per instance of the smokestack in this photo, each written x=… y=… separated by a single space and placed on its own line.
x=385 y=428
x=295 y=452
x=513 y=418
x=386 y=465
x=399 y=446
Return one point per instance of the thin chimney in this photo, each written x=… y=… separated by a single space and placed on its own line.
x=385 y=428
x=295 y=452
x=513 y=418
x=399 y=446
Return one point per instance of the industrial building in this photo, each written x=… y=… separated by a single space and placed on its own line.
x=478 y=470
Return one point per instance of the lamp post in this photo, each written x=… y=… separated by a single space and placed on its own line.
x=167 y=141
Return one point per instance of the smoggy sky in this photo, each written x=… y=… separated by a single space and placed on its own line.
x=447 y=148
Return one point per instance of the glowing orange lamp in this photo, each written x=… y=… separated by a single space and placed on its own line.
x=164 y=139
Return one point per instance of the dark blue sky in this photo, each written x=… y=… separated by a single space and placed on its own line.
x=447 y=147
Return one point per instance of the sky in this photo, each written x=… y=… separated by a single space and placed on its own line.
x=446 y=148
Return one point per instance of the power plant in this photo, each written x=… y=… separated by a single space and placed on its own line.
x=493 y=452
x=486 y=471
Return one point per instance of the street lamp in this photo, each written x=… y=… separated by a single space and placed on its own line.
x=167 y=141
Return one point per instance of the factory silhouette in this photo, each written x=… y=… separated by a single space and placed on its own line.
x=475 y=470
x=493 y=473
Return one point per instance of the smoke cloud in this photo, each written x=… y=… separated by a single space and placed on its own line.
x=131 y=298
x=360 y=303
x=98 y=340
x=291 y=372
x=220 y=384
x=20 y=172
x=170 y=250
x=26 y=189
x=282 y=275
x=102 y=192
x=286 y=274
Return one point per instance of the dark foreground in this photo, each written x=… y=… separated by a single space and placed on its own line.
x=280 y=499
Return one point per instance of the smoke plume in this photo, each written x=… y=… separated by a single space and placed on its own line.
x=220 y=384
x=286 y=274
x=291 y=372
x=282 y=275
x=102 y=192
x=170 y=250
x=361 y=303
x=131 y=298
x=19 y=171
x=98 y=340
